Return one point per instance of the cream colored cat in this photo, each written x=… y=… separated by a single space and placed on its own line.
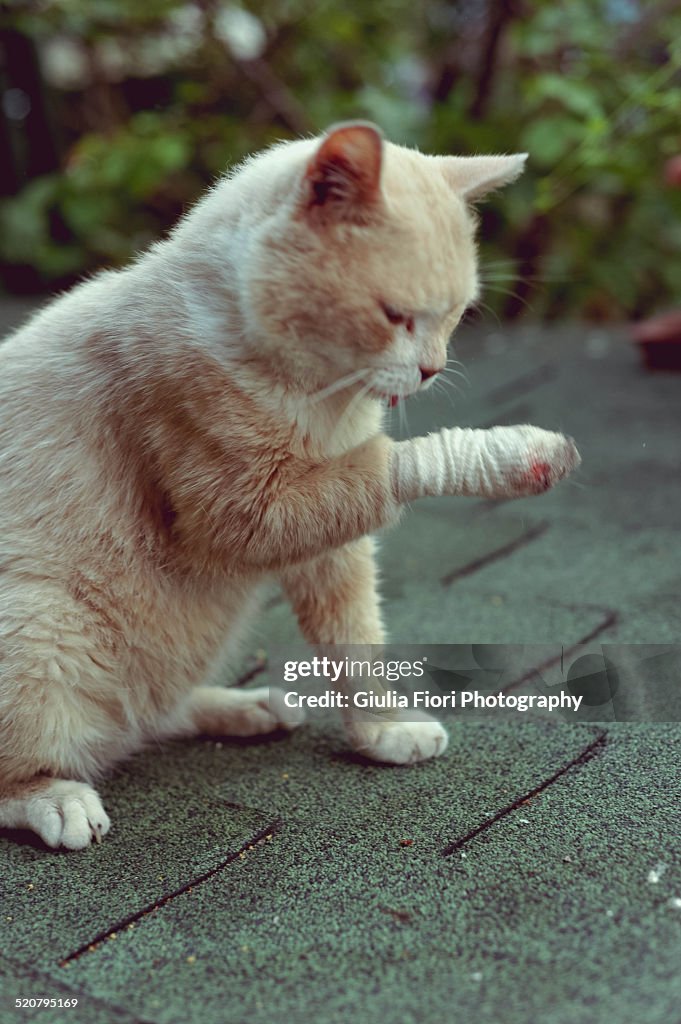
x=176 y=434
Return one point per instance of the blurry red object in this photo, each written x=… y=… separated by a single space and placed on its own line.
x=659 y=339
x=672 y=171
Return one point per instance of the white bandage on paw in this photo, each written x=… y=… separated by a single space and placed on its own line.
x=502 y=462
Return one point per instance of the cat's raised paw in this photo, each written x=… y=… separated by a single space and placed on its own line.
x=546 y=469
x=398 y=742
x=65 y=813
x=532 y=460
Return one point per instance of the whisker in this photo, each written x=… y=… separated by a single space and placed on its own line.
x=448 y=382
x=350 y=408
x=483 y=305
x=457 y=373
x=497 y=263
x=387 y=424
x=338 y=385
x=441 y=387
x=451 y=390
x=499 y=277
x=404 y=419
x=526 y=277
x=515 y=295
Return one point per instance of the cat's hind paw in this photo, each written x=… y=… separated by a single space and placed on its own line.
x=398 y=742
x=217 y=711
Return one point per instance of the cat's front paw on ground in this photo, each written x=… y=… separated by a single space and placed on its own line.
x=68 y=814
x=398 y=742
x=534 y=460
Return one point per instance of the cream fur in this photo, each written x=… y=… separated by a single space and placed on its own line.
x=175 y=434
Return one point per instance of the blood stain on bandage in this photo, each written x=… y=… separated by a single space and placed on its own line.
x=541 y=472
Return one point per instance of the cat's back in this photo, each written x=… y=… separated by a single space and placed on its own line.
x=41 y=362
x=43 y=386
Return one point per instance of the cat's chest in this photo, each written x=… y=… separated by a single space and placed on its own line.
x=329 y=431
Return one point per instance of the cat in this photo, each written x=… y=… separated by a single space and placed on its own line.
x=176 y=434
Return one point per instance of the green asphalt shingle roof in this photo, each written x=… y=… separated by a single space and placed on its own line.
x=260 y=881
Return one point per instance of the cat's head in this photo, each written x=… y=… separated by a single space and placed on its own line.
x=367 y=262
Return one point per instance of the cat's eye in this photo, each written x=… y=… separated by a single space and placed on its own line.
x=394 y=316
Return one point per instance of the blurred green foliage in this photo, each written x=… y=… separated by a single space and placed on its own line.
x=160 y=97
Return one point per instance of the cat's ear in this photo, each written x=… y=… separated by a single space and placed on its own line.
x=343 y=178
x=472 y=177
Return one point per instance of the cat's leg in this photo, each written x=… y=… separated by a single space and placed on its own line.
x=336 y=600
x=220 y=711
x=214 y=710
x=62 y=721
x=302 y=508
x=61 y=811
x=497 y=462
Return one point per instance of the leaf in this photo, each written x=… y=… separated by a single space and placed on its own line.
x=579 y=97
x=548 y=139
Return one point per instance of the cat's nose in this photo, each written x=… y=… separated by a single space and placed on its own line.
x=427 y=372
